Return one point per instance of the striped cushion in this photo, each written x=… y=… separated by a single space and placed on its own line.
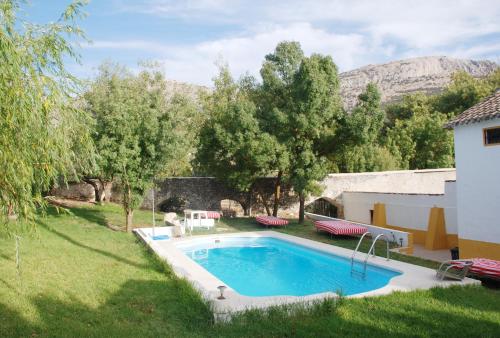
x=213 y=215
x=340 y=227
x=482 y=267
x=271 y=220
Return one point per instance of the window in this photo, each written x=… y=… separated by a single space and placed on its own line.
x=491 y=136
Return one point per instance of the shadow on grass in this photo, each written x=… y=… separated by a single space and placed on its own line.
x=138 y=309
x=93 y=215
x=458 y=296
x=171 y=308
x=96 y=250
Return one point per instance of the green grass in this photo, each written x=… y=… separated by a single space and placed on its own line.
x=79 y=278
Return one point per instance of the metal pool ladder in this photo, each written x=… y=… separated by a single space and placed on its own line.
x=371 y=251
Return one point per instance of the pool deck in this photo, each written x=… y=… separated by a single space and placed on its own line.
x=413 y=277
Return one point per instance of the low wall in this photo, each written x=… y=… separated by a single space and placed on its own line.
x=405 y=211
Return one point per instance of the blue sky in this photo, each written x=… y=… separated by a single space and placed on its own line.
x=189 y=37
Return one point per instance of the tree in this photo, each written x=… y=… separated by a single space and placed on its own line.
x=421 y=142
x=43 y=136
x=299 y=105
x=363 y=148
x=232 y=146
x=275 y=102
x=415 y=134
x=464 y=91
x=314 y=119
x=135 y=130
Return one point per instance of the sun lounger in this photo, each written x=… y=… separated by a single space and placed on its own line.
x=453 y=269
x=271 y=221
x=339 y=227
x=213 y=215
x=481 y=267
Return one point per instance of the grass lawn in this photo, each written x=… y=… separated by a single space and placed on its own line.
x=78 y=278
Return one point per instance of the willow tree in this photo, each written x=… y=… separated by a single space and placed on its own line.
x=136 y=130
x=42 y=135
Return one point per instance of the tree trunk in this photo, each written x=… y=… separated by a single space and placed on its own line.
x=127 y=200
x=301 y=207
x=246 y=210
x=129 y=220
x=277 y=193
x=266 y=205
x=98 y=188
x=107 y=186
x=106 y=189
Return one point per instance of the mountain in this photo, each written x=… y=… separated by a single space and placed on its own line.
x=428 y=74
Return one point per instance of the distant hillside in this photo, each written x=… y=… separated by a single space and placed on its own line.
x=187 y=89
x=429 y=74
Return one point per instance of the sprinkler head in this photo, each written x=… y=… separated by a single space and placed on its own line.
x=221 y=289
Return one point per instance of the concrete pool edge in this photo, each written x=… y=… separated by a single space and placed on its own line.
x=412 y=277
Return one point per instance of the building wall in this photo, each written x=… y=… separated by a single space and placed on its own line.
x=429 y=181
x=408 y=212
x=478 y=191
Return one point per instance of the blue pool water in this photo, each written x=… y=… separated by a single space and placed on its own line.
x=267 y=266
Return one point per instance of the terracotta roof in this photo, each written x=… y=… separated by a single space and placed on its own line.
x=487 y=109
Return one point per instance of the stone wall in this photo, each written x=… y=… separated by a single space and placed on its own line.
x=203 y=193
x=206 y=193
x=75 y=191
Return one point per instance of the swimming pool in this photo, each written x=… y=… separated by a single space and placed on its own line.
x=239 y=270
x=269 y=266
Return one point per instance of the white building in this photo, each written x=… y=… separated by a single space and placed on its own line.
x=477 y=156
x=437 y=209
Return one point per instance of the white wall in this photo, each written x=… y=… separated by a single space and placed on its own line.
x=404 y=210
x=430 y=181
x=478 y=183
x=401 y=181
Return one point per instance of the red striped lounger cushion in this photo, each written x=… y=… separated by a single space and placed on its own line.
x=340 y=227
x=482 y=267
x=271 y=220
x=213 y=215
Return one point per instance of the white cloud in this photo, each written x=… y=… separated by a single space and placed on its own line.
x=354 y=32
x=196 y=63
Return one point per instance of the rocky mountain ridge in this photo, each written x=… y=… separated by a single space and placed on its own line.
x=429 y=74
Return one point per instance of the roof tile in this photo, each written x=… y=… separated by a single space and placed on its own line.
x=487 y=109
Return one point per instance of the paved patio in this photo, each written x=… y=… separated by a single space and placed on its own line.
x=434 y=255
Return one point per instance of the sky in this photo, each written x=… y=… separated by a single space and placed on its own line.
x=188 y=38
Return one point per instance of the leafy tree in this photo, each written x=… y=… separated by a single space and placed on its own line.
x=415 y=134
x=412 y=103
x=422 y=143
x=314 y=119
x=465 y=91
x=276 y=102
x=136 y=130
x=232 y=146
x=43 y=136
x=364 y=149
